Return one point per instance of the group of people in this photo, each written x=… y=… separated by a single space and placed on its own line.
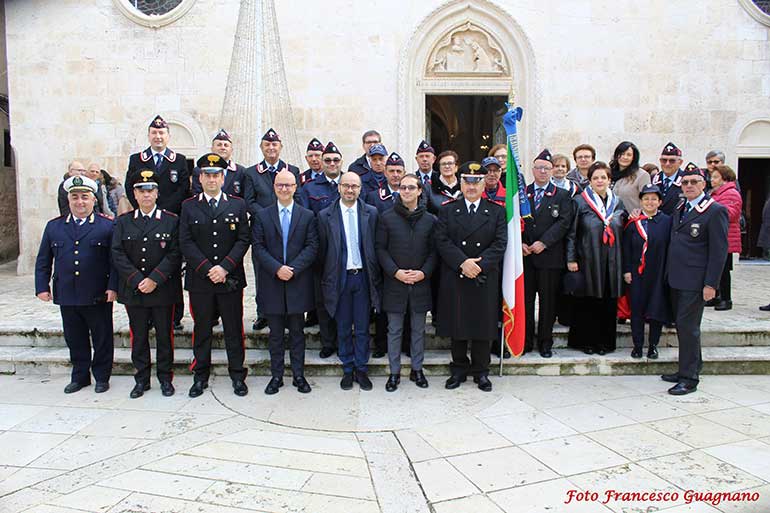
x=338 y=248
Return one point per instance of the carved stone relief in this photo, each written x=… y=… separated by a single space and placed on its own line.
x=467 y=50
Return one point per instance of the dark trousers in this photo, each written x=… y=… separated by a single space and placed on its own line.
x=478 y=365
x=277 y=325
x=139 y=318
x=327 y=327
x=203 y=307
x=594 y=323
x=689 y=313
x=545 y=284
x=179 y=307
x=381 y=333
x=353 y=323
x=637 y=331
x=725 y=283
x=255 y=262
x=85 y=326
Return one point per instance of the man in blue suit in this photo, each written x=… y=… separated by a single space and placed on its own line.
x=351 y=275
x=285 y=239
x=696 y=256
x=77 y=247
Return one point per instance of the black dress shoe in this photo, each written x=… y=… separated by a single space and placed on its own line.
x=167 y=389
x=711 y=302
x=74 y=387
x=363 y=380
x=139 y=390
x=273 y=386
x=378 y=354
x=588 y=350
x=622 y=321
x=454 y=382
x=636 y=353
x=682 y=389
x=601 y=352
x=347 y=381
x=239 y=387
x=670 y=378
x=652 y=353
x=259 y=324
x=765 y=308
x=302 y=385
x=393 y=382
x=101 y=387
x=418 y=376
x=670 y=325
x=326 y=352
x=178 y=327
x=723 y=305
x=484 y=384
x=197 y=388
x=546 y=354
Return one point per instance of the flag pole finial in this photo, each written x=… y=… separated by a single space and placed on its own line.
x=512 y=96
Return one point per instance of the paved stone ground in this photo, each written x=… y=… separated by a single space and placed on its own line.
x=519 y=449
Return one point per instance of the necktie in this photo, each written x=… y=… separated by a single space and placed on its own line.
x=472 y=209
x=666 y=185
x=145 y=219
x=158 y=161
x=213 y=205
x=538 y=197
x=353 y=236
x=395 y=196
x=687 y=208
x=79 y=222
x=285 y=224
x=334 y=183
x=425 y=180
x=271 y=169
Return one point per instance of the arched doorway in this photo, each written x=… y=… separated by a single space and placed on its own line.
x=753 y=152
x=459 y=67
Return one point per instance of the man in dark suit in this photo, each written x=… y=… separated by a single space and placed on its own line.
x=670 y=177
x=314 y=159
x=77 y=247
x=471 y=236
x=145 y=252
x=222 y=145
x=214 y=236
x=543 y=248
x=425 y=157
x=258 y=191
x=696 y=256
x=286 y=244
x=351 y=275
x=361 y=166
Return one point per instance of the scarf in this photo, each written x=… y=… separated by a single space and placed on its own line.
x=411 y=216
x=605 y=213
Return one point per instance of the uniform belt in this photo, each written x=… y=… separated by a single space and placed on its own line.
x=354 y=271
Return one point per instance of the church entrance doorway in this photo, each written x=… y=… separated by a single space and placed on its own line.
x=754 y=179
x=467 y=124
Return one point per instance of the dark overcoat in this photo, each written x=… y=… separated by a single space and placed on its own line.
x=173 y=178
x=234 y=180
x=470 y=308
x=275 y=296
x=333 y=253
x=381 y=199
x=258 y=191
x=673 y=196
x=406 y=243
x=209 y=238
x=601 y=264
x=549 y=224
x=650 y=295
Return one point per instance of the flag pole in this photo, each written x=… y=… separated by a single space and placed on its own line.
x=511 y=103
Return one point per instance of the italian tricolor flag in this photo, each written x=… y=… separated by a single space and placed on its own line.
x=516 y=207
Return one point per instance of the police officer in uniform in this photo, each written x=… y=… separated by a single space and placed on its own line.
x=670 y=177
x=314 y=159
x=471 y=236
x=258 y=190
x=697 y=253
x=77 y=247
x=145 y=252
x=543 y=247
x=222 y=145
x=385 y=196
x=214 y=236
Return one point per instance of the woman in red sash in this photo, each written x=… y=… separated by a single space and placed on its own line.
x=594 y=250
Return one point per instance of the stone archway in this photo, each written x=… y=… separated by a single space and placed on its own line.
x=466 y=48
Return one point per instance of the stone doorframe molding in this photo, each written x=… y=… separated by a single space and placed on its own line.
x=415 y=79
x=755 y=12
x=199 y=142
x=750 y=145
x=131 y=12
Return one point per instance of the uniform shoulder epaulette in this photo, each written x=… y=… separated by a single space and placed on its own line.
x=130 y=212
x=105 y=216
x=169 y=213
x=447 y=202
x=191 y=198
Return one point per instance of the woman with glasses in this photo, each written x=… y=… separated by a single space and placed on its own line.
x=594 y=250
x=447 y=186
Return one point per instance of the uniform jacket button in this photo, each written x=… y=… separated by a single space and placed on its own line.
x=214 y=233
x=215 y=245
x=463 y=243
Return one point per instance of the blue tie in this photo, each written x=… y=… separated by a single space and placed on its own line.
x=538 y=197
x=666 y=185
x=158 y=161
x=353 y=235
x=285 y=224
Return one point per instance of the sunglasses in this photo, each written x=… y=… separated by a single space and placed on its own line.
x=713 y=161
x=335 y=160
x=694 y=181
x=668 y=161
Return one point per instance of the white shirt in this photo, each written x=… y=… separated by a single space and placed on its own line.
x=218 y=197
x=694 y=203
x=155 y=156
x=150 y=214
x=290 y=207
x=475 y=203
x=350 y=229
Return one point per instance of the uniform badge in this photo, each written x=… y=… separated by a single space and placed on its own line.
x=555 y=212
x=694 y=229
x=157 y=235
x=232 y=227
x=174 y=176
x=163 y=244
x=237 y=187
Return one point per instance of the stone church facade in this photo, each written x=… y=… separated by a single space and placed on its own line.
x=86 y=76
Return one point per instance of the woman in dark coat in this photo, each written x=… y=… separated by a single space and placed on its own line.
x=645 y=245
x=594 y=250
x=407 y=255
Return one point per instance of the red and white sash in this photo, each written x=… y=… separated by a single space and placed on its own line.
x=605 y=214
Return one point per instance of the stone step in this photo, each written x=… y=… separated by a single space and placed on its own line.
x=54 y=337
x=718 y=360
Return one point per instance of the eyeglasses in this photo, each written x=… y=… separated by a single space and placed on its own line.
x=351 y=186
x=285 y=185
x=668 y=161
x=694 y=181
x=447 y=164
x=335 y=160
x=542 y=168
x=715 y=161
x=410 y=188
x=500 y=156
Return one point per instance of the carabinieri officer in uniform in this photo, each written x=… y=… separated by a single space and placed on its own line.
x=214 y=236
x=145 y=251
x=78 y=247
